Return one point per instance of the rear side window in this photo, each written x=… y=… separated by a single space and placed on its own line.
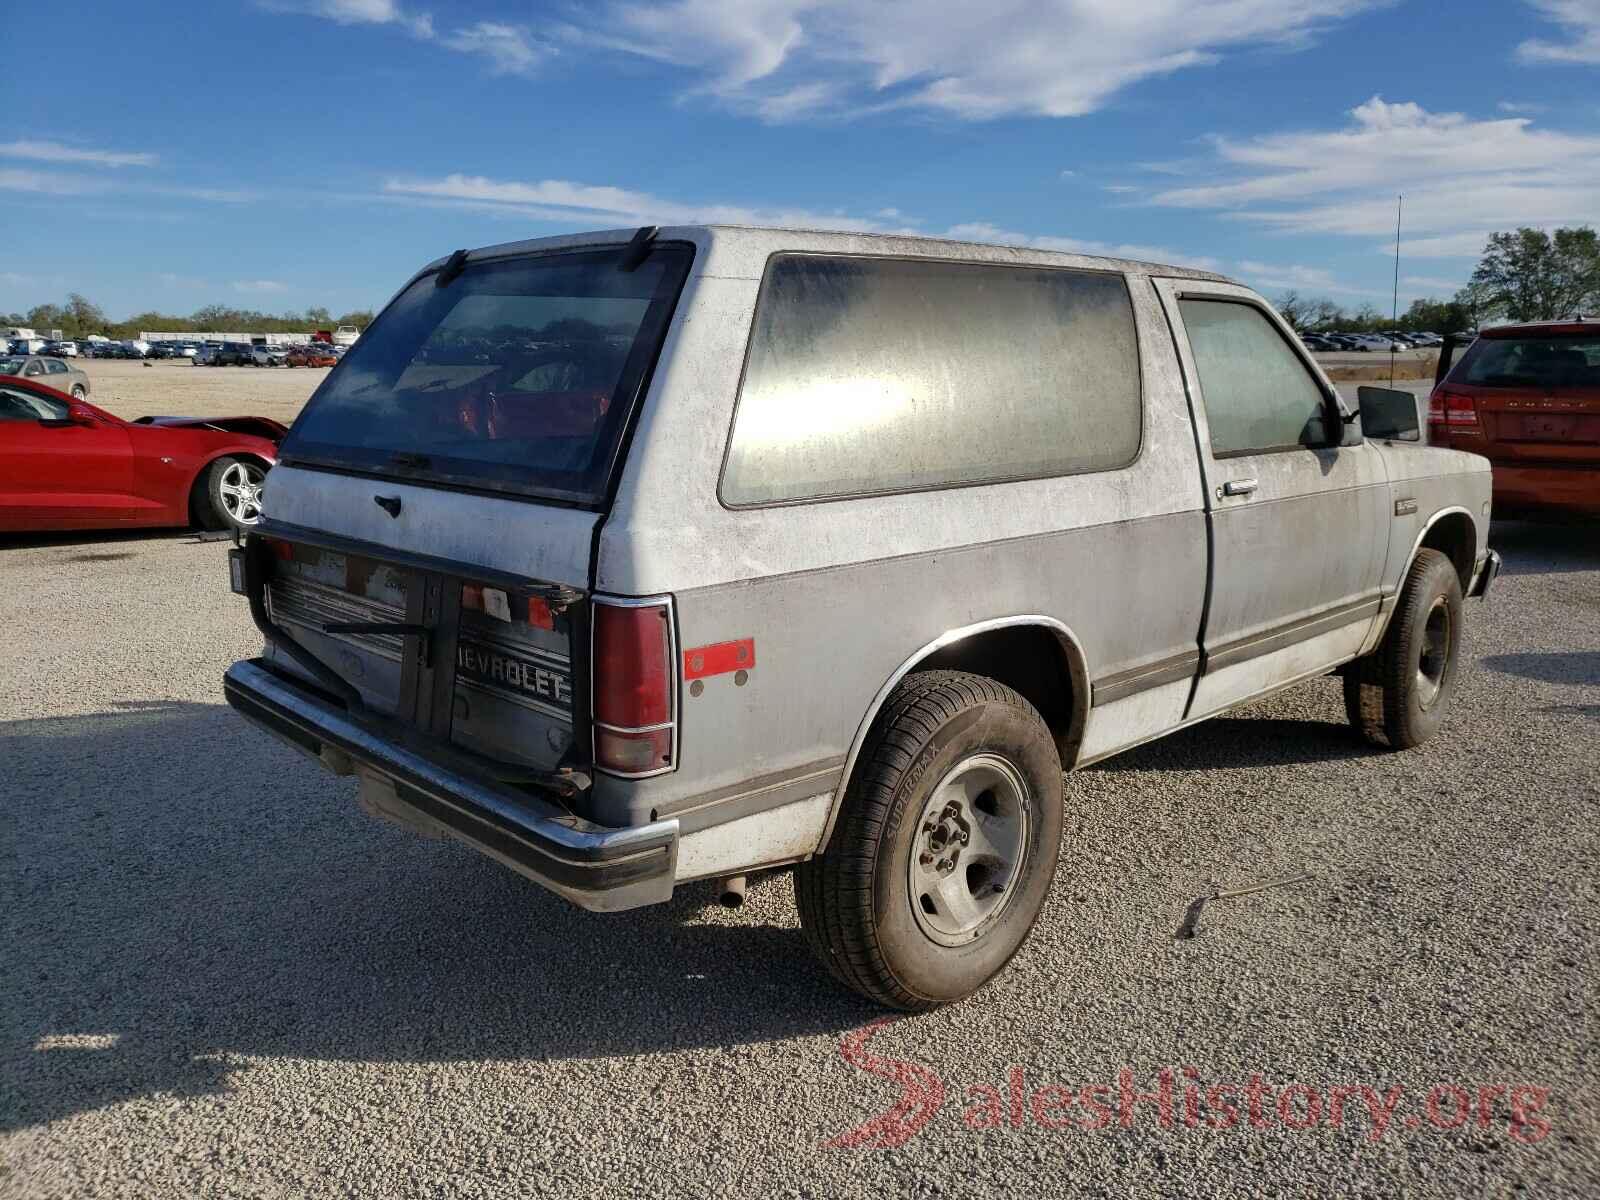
x=1545 y=362
x=871 y=375
x=1258 y=395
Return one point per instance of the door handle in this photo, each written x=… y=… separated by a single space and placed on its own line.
x=1239 y=487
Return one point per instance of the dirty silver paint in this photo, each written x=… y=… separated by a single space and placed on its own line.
x=842 y=597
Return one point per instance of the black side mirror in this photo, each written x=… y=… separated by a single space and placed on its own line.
x=1389 y=415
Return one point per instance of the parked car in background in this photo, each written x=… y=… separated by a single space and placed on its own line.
x=26 y=345
x=311 y=356
x=1316 y=342
x=844 y=580
x=65 y=464
x=136 y=348
x=268 y=356
x=62 y=349
x=226 y=354
x=162 y=350
x=1527 y=398
x=51 y=371
x=346 y=335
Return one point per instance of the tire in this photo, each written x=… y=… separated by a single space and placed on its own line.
x=232 y=495
x=1398 y=695
x=79 y=392
x=873 y=904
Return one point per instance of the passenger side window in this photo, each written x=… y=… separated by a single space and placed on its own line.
x=56 y=367
x=1258 y=395
x=872 y=375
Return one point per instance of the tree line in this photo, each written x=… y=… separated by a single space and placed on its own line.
x=79 y=317
x=1528 y=275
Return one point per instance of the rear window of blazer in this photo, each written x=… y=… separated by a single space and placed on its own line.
x=870 y=375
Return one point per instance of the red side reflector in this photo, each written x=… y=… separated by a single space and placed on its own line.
x=539 y=614
x=632 y=665
x=281 y=550
x=719 y=659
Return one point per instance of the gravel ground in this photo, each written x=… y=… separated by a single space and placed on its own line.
x=169 y=388
x=222 y=979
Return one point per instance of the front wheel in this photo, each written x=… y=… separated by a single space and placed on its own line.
x=1397 y=696
x=233 y=494
x=946 y=846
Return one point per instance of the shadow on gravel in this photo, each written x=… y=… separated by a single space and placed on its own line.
x=91 y=537
x=1531 y=548
x=184 y=892
x=1580 y=667
x=1227 y=743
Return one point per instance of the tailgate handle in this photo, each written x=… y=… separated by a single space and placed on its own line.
x=420 y=632
x=1239 y=487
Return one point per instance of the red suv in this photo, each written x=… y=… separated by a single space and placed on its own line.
x=1527 y=397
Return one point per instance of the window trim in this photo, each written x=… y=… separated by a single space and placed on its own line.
x=1333 y=412
x=914 y=489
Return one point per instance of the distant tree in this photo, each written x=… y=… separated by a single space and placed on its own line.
x=360 y=318
x=1532 y=275
x=1295 y=310
x=1437 y=316
x=318 y=317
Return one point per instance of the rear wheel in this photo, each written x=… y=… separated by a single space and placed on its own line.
x=79 y=392
x=232 y=494
x=1397 y=696
x=945 y=849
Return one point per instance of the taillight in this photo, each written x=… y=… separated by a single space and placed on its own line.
x=634 y=687
x=1460 y=411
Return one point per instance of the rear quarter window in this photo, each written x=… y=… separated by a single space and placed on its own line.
x=1560 y=361
x=871 y=375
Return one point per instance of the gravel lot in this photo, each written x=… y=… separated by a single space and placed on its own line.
x=170 y=388
x=222 y=979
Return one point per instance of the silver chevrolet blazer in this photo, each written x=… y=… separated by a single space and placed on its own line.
x=643 y=557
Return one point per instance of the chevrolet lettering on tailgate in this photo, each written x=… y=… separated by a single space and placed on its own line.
x=505 y=672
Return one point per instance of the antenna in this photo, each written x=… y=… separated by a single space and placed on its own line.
x=1394 y=317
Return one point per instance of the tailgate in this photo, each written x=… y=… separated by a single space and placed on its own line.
x=484 y=664
x=1558 y=425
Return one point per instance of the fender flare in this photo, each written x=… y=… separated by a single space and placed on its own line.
x=1389 y=601
x=1077 y=665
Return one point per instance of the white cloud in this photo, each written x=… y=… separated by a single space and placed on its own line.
x=47 y=183
x=1580 y=29
x=594 y=205
x=258 y=286
x=58 y=153
x=1520 y=107
x=588 y=204
x=359 y=12
x=1452 y=286
x=784 y=59
x=1269 y=276
x=1461 y=178
x=983 y=231
x=508 y=48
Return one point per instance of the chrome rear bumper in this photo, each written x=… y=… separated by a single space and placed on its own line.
x=593 y=866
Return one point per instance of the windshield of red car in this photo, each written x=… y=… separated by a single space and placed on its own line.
x=517 y=375
x=1532 y=362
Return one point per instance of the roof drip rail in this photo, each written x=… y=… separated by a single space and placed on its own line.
x=453 y=266
x=638 y=249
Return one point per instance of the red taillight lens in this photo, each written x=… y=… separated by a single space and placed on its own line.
x=633 y=687
x=1460 y=411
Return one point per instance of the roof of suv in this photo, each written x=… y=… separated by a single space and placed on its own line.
x=1580 y=325
x=741 y=251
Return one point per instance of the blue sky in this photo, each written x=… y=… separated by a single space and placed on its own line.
x=285 y=153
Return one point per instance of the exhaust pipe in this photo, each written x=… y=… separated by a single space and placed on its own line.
x=730 y=891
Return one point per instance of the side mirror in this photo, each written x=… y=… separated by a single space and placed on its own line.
x=1390 y=415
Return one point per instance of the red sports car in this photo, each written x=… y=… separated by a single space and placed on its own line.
x=65 y=464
